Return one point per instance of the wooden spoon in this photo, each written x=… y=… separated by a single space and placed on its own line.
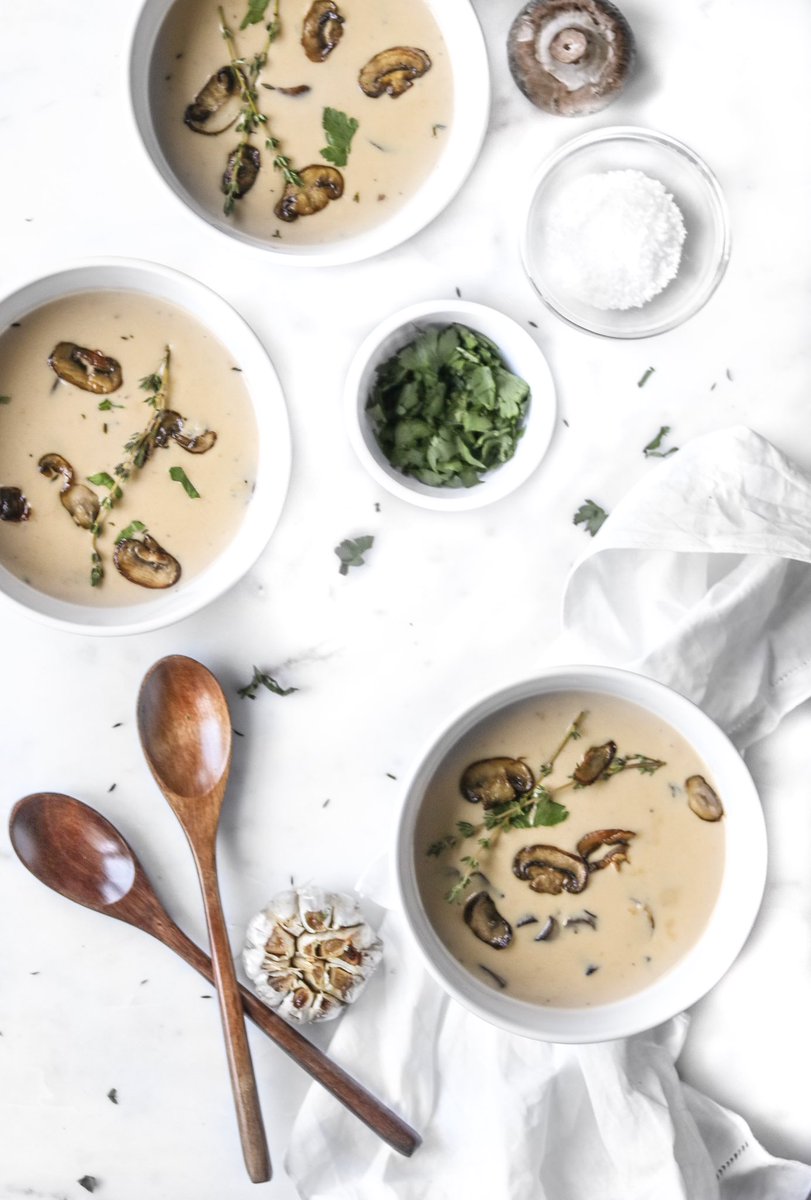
x=75 y=851
x=185 y=730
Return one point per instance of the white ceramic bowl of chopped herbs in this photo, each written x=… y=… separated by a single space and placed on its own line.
x=450 y=405
x=625 y=233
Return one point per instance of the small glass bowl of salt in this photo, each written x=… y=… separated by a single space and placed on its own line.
x=627 y=233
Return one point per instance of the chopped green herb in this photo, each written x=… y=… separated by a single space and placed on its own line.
x=255 y=14
x=339 y=130
x=180 y=476
x=262 y=679
x=88 y=1182
x=435 y=127
x=5 y=399
x=591 y=516
x=102 y=479
x=107 y=405
x=653 y=448
x=133 y=528
x=646 y=376
x=445 y=409
x=351 y=552
x=112 y=1095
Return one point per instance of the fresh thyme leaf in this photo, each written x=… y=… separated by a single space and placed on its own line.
x=646 y=376
x=150 y=383
x=454 y=896
x=339 y=129
x=5 y=399
x=351 y=552
x=465 y=828
x=591 y=516
x=107 y=405
x=180 y=476
x=653 y=448
x=102 y=479
x=437 y=848
x=262 y=679
x=133 y=527
x=88 y=1182
x=445 y=409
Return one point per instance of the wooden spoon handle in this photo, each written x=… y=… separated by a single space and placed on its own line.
x=240 y=1065
x=380 y=1119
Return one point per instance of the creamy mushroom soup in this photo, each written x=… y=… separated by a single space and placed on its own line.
x=62 y=445
x=597 y=905
x=394 y=148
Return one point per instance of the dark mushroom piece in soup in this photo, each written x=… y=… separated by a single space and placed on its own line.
x=550 y=869
x=594 y=762
x=491 y=781
x=216 y=106
x=487 y=922
x=319 y=185
x=322 y=29
x=703 y=800
x=145 y=562
x=393 y=71
x=13 y=505
x=87 y=369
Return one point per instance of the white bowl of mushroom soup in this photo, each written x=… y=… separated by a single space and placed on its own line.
x=581 y=855
x=363 y=120
x=449 y=404
x=141 y=475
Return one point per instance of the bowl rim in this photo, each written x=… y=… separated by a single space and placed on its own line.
x=539 y=426
x=729 y=925
x=267 y=502
x=434 y=194
x=636 y=133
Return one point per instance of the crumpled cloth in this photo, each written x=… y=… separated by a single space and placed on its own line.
x=699 y=578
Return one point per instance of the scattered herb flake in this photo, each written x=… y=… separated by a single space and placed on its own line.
x=112 y=788
x=88 y=1182
x=390 y=776
x=591 y=516
x=326 y=802
x=112 y=1095
x=118 y=724
x=237 y=732
x=646 y=376
x=262 y=679
x=102 y=479
x=180 y=476
x=255 y=14
x=339 y=130
x=729 y=375
x=434 y=128
x=107 y=405
x=654 y=447
x=351 y=552
x=133 y=528
x=5 y=399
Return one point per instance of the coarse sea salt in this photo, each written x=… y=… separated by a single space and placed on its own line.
x=614 y=239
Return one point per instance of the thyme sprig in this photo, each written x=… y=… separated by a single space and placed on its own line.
x=537 y=807
x=251 y=119
x=137 y=450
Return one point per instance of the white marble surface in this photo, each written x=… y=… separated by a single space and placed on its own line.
x=382 y=656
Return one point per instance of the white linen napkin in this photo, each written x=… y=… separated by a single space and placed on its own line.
x=699 y=578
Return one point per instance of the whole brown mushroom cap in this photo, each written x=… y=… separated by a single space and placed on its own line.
x=571 y=58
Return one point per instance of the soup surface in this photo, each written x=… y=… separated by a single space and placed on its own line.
x=46 y=415
x=395 y=147
x=636 y=915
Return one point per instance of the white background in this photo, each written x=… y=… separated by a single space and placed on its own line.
x=446 y=609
